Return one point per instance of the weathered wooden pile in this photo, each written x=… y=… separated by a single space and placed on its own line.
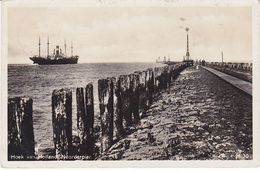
x=20 y=128
x=123 y=101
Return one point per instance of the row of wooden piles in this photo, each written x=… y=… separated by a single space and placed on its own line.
x=122 y=100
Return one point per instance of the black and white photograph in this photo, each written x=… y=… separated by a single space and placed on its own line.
x=107 y=80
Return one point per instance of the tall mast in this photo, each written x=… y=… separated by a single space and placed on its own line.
x=48 y=47
x=65 y=47
x=39 y=46
x=71 y=48
x=187 y=53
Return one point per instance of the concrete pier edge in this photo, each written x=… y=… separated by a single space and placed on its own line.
x=238 y=83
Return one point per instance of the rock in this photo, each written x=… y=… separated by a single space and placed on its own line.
x=127 y=144
x=172 y=128
x=118 y=145
x=209 y=100
x=193 y=112
x=205 y=126
x=146 y=124
x=150 y=138
x=217 y=125
x=164 y=102
x=206 y=133
x=162 y=107
x=200 y=129
x=149 y=110
x=159 y=143
x=141 y=139
x=45 y=150
x=223 y=156
x=217 y=138
x=171 y=146
x=208 y=128
x=115 y=156
x=173 y=141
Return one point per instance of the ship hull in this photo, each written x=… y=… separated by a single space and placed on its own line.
x=45 y=61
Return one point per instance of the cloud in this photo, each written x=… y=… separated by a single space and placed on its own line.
x=121 y=34
x=182 y=19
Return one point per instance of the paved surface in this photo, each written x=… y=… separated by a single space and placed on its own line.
x=200 y=117
x=241 y=84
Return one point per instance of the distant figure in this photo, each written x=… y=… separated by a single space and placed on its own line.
x=203 y=62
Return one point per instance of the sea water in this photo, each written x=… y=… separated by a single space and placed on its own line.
x=39 y=81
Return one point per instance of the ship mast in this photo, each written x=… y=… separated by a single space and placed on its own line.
x=71 y=48
x=39 y=46
x=187 y=53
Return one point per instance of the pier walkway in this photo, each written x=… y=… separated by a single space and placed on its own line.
x=240 y=84
x=200 y=117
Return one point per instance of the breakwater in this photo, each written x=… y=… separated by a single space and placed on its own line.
x=200 y=117
x=123 y=101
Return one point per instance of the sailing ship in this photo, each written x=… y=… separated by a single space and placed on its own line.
x=56 y=58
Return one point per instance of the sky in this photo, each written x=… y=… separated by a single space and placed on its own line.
x=131 y=34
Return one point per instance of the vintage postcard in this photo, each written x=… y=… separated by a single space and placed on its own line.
x=149 y=83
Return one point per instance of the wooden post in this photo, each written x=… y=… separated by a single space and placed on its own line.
x=147 y=77
x=126 y=97
x=174 y=72
x=134 y=102
x=171 y=73
x=160 y=79
x=150 y=85
x=90 y=141
x=142 y=91
x=165 y=77
x=20 y=128
x=156 y=79
x=119 y=129
x=168 y=70
x=105 y=94
x=85 y=119
x=81 y=118
x=112 y=82
x=62 y=122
